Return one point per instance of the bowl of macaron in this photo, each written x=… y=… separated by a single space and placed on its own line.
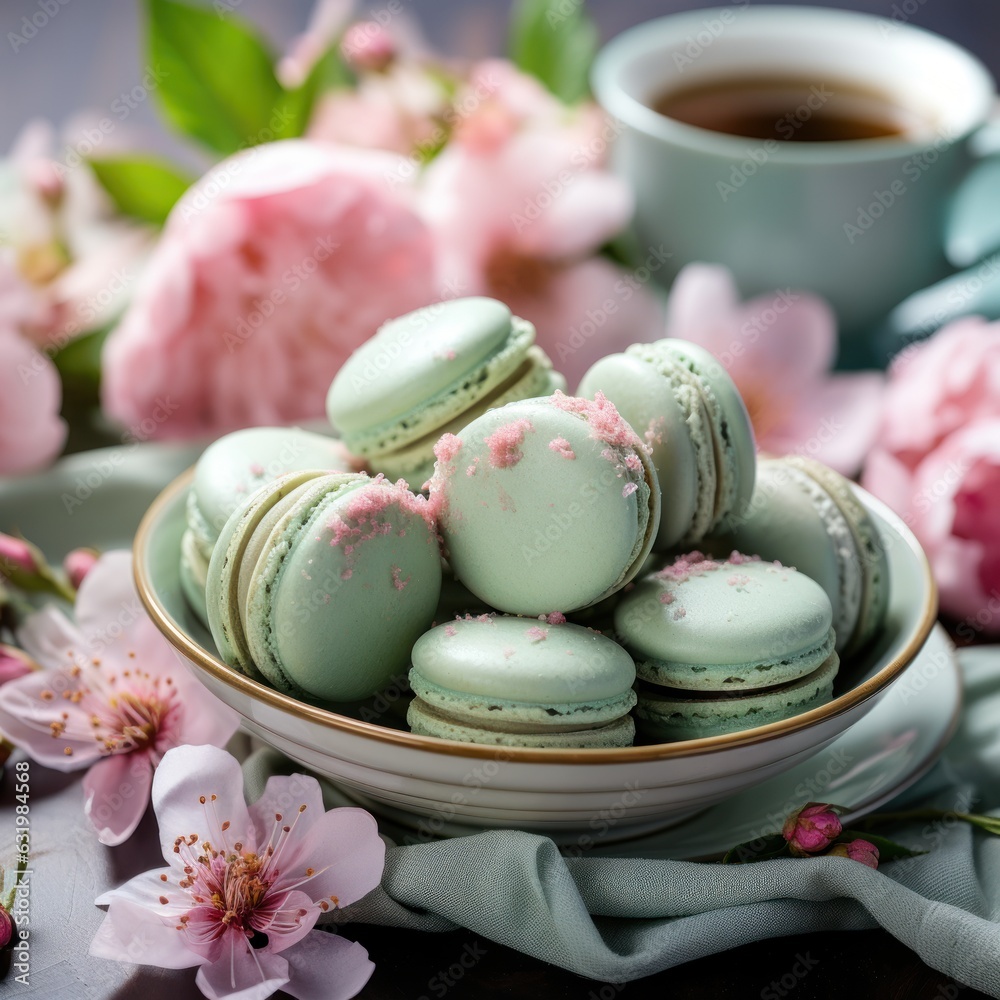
x=598 y=602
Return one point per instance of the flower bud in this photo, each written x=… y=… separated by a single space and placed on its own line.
x=367 y=46
x=6 y=928
x=812 y=829
x=13 y=664
x=17 y=557
x=859 y=850
x=78 y=564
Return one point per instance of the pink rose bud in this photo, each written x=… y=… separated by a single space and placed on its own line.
x=367 y=46
x=14 y=664
x=859 y=850
x=16 y=555
x=6 y=928
x=78 y=564
x=812 y=829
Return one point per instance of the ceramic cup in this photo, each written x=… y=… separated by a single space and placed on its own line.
x=857 y=221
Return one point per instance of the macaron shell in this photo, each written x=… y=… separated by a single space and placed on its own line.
x=554 y=520
x=414 y=357
x=707 y=625
x=791 y=518
x=424 y=720
x=870 y=545
x=415 y=462
x=507 y=659
x=222 y=583
x=349 y=585
x=237 y=464
x=664 y=717
x=193 y=574
x=644 y=398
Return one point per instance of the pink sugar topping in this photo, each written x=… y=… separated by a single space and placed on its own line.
x=679 y=613
x=471 y=470
x=397 y=578
x=738 y=580
x=629 y=489
x=633 y=462
x=555 y=618
x=257 y=469
x=562 y=447
x=536 y=634
x=698 y=564
x=508 y=652
x=606 y=423
x=667 y=597
x=654 y=432
x=447 y=448
x=505 y=443
x=450 y=631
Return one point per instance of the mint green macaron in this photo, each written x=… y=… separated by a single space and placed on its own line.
x=725 y=645
x=681 y=399
x=522 y=682
x=321 y=583
x=806 y=515
x=427 y=373
x=545 y=505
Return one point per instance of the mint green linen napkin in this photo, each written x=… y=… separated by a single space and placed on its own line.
x=619 y=918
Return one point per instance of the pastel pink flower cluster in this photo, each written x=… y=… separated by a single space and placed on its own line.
x=283 y=259
x=779 y=350
x=937 y=463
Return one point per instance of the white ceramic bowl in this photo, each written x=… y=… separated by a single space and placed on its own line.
x=433 y=784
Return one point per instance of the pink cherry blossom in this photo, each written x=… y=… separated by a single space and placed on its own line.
x=111 y=697
x=243 y=888
x=271 y=270
x=520 y=203
x=811 y=829
x=67 y=260
x=31 y=431
x=14 y=663
x=78 y=563
x=779 y=349
x=862 y=851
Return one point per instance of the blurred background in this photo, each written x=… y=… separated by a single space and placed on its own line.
x=89 y=53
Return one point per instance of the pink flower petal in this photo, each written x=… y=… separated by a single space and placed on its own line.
x=285 y=918
x=588 y=310
x=31 y=431
x=701 y=307
x=108 y=595
x=183 y=777
x=888 y=479
x=835 y=421
x=49 y=638
x=241 y=973
x=345 y=849
x=116 y=793
x=285 y=794
x=204 y=720
x=328 y=966
x=25 y=717
x=133 y=932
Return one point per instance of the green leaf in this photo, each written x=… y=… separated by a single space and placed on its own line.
x=555 y=41
x=216 y=75
x=763 y=849
x=141 y=186
x=295 y=106
x=888 y=850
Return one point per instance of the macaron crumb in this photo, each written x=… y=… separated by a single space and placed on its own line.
x=537 y=634
x=505 y=443
x=562 y=447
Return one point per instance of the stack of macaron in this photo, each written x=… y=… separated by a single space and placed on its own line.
x=534 y=517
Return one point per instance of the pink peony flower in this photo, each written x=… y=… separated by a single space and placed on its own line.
x=519 y=203
x=271 y=271
x=78 y=564
x=243 y=888
x=111 y=697
x=67 y=260
x=937 y=463
x=31 y=431
x=778 y=349
x=862 y=851
x=811 y=829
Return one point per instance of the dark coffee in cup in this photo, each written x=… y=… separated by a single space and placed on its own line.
x=791 y=108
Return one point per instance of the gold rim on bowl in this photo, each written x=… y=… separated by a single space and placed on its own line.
x=213 y=666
